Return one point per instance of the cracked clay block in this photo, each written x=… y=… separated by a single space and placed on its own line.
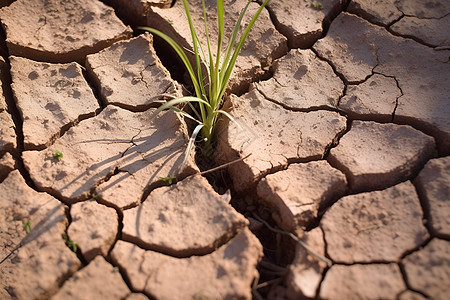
x=428 y=269
x=98 y=280
x=272 y=135
x=50 y=98
x=7 y=164
x=136 y=296
x=130 y=75
x=298 y=192
x=429 y=31
x=385 y=12
x=374 y=226
x=185 y=219
x=433 y=186
x=302 y=81
x=306 y=271
x=421 y=72
x=374 y=99
x=7 y=132
x=357 y=282
x=226 y=273
x=93 y=228
x=263 y=44
x=376 y=156
x=410 y=295
x=382 y=12
x=43 y=261
x=142 y=149
x=56 y=31
x=300 y=22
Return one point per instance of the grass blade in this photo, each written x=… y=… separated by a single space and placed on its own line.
x=176 y=101
x=179 y=51
x=190 y=145
x=232 y=62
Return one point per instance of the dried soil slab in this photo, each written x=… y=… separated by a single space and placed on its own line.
x=132 y=143
x=7 y=164
x=227 y=273
x=376 y=156
x=129 y=74
x=374 y=226
x=302 y=81
x=42 y=260
x=382 y=12
x=298 y=192
x=433 y=186
x=56 y=31
x=429 y=31
x=7 y=132
x=263 y=44
x=428 y=270
x=98 y=280
x=305 y=272
x=353 y=53
x=93 y=228
x=273 y=136
x=185 y=219
x=430 y=9
x=374 y=281
x=421 y=72
x=50 y=98
x=301 y=22
x=136 y=296
x=374 y=99
x=385 y=12
x=410 y=295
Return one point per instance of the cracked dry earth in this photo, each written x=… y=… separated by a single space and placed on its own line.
x=344 y=110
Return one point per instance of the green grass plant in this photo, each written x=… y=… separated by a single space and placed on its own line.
x=209 y=88
x=58 y=155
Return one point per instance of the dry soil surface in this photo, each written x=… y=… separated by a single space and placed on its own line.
x=341 y=184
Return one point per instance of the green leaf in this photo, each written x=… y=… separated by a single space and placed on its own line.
x=27 y=226
x=58 y=155
x=69 y=243
x=176 y=101
x=168 y=179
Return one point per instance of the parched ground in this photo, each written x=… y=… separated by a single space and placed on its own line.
x=340 y=186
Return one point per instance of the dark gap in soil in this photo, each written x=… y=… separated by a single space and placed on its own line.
x=326 y=23
x=171 y=62
x=336 y=164
x=425 y=206
x=340 y=75
x=95 y=90
x=278 y=249
x=120 y=226
x=78 y=252
x=61 y=281
x=126 y=16
x=3 y=47
x=406 y=36
x=324 y=273
x=405 y=279
x=339 y=135
x=415 y=249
